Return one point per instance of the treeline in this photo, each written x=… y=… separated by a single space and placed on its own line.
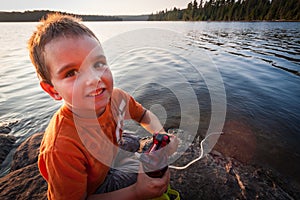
x=33 y=16
x=233 y=10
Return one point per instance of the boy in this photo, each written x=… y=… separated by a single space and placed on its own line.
x=81 y=141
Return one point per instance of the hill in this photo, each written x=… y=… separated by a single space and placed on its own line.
x=34 y=16
x=133 y=17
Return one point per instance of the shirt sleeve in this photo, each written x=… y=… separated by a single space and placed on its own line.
x=131 y=109
x=65 y=173
x=136 y=110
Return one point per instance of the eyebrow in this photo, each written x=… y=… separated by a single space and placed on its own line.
x=65 y=68
x=100 y=57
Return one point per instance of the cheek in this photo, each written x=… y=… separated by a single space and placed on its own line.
x=109 y=79
x=67 y=91
x=68 y=95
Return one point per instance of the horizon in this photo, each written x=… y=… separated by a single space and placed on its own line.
x=1 y=11
x=95 y=7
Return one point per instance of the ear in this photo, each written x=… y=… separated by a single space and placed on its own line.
x=50 y=90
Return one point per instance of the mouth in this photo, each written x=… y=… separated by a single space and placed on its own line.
x=97 y=92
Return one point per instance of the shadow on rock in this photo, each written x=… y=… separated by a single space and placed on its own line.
x=24 y=180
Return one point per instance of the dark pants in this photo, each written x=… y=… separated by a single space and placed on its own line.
x=124 y=171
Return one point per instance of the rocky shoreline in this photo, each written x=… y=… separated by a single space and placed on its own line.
x=24 y=180
x=214 y=177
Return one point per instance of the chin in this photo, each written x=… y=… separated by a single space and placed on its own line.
x=100 y=106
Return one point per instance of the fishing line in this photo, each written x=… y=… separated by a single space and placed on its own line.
x=200 y=156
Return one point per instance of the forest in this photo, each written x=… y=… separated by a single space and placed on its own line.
x=34 y=16
x=233 y=10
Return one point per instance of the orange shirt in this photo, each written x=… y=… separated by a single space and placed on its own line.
x=76 y=153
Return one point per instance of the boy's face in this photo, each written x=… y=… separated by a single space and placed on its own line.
x=79 y=74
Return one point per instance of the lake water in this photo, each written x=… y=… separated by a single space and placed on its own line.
x=194 y=75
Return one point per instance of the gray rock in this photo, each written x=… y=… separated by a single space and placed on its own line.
x=6 y=143
x=5 y=127
x=4 y=130
x=218 y=177
x=214 y=177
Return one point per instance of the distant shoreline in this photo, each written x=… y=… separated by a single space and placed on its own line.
x=35 y=16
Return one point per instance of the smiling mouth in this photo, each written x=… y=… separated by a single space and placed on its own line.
x=97 y=92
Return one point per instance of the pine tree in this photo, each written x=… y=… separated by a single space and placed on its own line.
x=188 y=13
x=234 y=10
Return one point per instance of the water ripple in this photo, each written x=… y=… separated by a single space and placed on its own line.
x=253 y=43
x=259 y=64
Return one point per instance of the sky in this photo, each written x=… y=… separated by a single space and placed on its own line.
x=94 y=7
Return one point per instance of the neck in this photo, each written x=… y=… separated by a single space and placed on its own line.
x=87 y=114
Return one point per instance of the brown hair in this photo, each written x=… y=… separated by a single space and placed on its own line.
x=54 y=25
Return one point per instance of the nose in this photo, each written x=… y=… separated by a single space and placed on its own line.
x=92 y=77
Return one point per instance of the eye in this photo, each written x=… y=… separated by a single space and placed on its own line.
x=71 y=73
x=100 y=65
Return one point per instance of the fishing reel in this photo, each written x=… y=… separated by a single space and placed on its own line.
x=155 y=159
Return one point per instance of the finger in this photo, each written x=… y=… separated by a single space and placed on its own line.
x=141 y=170
x=168 y=175
x=165 y=180
x=164 y=190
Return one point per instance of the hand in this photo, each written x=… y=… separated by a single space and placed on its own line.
x=147 y=187
x=173 y=145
